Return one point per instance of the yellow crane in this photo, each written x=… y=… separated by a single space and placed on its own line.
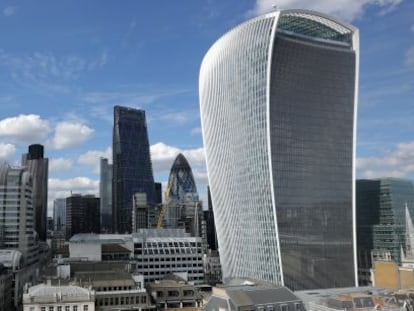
x=163 y=211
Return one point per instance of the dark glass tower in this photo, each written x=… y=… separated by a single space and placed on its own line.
x=105 y=192
x=132 y=168
x=381 y=219
x=38 y=167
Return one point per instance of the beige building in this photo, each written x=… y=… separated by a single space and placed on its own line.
x=44 y=297
x=388 y=274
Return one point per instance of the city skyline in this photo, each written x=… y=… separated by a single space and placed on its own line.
x=64 y=67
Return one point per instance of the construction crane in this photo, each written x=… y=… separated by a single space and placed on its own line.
x=163 y=211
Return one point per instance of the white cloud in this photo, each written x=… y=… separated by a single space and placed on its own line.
x=344 y=9
x=60 y=164
x=394 y=163
x=7 y=152
x=9 y=11
x=24 y=128
x=92 y=157
x=76 y=185
x=70 y=134
x=409 y=57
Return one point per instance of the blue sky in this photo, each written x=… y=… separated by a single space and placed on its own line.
x=65 y=64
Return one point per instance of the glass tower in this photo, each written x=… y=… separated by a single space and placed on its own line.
x=132 y=168
x=183 y=196
x=17 y=214
x=278 y=104
x=105 y=193
x=381 y=220
x=38 y=167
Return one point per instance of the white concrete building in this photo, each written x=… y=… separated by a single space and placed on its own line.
x=154 y=252
x=44 y=297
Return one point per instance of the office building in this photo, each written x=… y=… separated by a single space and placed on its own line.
x=278 y=103
x=132 y=168
x=172 y=292
x=211 y=234
x=6 y=289
x=16 y=213
x=158 y=193
x=139 y=211
x=154 y=253
x=381 y=221
x=59 y=215
x=184 y=209
x=105 y=194
x=82 y=215
x=38 y=167
x=44 y=297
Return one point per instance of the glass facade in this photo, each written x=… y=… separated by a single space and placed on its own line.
x=312 y=86
x=384 y=200
x=132 y=168
x=183 y=196
x=105 y=193
x=16 y=213
x=277 y=100
x=38 y=167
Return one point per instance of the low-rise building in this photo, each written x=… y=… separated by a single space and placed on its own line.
x=44 y=297
x=116 y=290
x=174 y=293
x=153 y=253
x=249 y=295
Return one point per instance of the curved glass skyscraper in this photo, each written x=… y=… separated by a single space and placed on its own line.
x=278 y=105
x=183 y=196
x=181 y=180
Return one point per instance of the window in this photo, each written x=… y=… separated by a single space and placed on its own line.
x=283 y=308
x=67 y=308
x=51 y=308
x=43 y=309
x=85 y=307
x=75 y=308
x=59 y=308
x=298 y=306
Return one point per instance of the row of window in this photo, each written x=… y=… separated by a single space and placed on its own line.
x=60 y=308
x=157 y=259
x=178 y=265
x=123 y=300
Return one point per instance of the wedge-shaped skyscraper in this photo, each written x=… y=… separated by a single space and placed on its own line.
x=278 y=105
x=132 y=167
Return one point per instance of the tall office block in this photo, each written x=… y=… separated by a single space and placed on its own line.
x=39 y=169
x=278 y=104
x=132 y=168
x=16 y=213
x=183 y=203
x=139 y=212
x=210 y=226
x=82 y=215
x=158 y=193
x=381 y=220
x=105 y=194
x=59 y=215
